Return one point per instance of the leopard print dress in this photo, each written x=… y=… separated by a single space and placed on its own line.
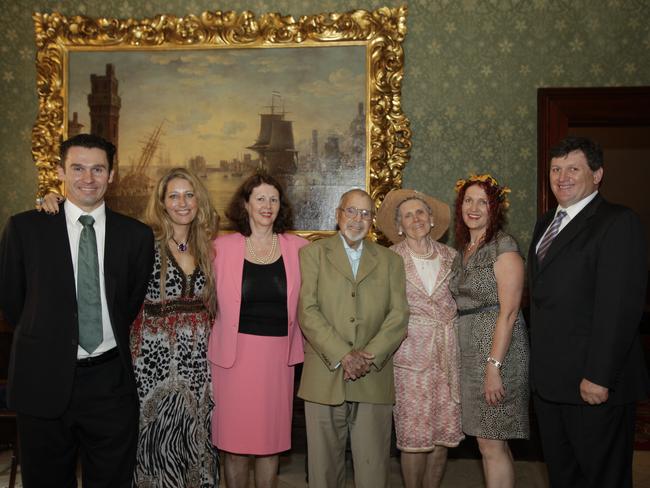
x=474 y=287
x=169 y=346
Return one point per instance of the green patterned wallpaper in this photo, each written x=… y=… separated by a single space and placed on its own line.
x=472 y=71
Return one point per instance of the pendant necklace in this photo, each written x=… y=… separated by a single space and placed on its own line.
x=472 y=245
x=181 y=246
x=269 y=257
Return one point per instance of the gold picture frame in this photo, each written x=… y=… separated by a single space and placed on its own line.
x=386 y=132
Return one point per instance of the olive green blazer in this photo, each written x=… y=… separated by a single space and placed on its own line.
x=338 y=314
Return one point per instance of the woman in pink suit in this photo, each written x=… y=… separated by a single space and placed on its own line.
x=256 y=340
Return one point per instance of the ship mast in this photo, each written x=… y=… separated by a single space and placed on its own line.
x=149 y=149
x=275 y=143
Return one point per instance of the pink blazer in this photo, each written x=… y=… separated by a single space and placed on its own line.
x=228 y=269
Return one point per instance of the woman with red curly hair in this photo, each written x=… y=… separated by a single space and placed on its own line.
x=487 y=283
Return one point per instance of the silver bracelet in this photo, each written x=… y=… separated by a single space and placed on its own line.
x=495 y=362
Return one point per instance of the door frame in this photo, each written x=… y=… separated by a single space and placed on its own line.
x=558 y=109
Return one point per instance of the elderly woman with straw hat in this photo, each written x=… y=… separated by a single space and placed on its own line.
x=427 y=386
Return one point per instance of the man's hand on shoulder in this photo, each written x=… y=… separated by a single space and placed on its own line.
x=592 y=393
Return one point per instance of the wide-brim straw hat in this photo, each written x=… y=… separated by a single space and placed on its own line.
x=441 y=214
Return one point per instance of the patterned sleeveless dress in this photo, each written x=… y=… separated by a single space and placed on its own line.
x=474 y=287
x=169 y=346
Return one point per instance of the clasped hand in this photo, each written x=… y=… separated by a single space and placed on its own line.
x=356 y=364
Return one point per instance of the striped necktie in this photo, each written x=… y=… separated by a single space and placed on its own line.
x=552 y=233
x=89 y=302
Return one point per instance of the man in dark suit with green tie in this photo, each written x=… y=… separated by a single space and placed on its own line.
x=71 y=285
x=587 y=276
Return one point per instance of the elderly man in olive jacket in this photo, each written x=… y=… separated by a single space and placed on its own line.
x=353 y=313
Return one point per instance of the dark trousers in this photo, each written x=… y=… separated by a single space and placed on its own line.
x=587 y=446
x=100 y=426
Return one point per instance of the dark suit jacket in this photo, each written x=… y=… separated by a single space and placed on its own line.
x=38 y=298
x=586 y=302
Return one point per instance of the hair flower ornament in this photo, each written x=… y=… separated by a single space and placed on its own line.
x=489 y=180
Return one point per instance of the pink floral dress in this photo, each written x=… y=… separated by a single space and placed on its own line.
x=427 y=386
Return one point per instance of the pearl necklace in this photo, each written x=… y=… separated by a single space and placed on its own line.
x=426 y=255
x=269 y=257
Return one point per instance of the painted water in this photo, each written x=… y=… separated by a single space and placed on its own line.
x=313 y=195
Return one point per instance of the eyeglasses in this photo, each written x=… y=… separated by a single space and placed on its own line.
x=352 y=212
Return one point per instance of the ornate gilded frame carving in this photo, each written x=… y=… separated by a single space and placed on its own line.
x=388 y=135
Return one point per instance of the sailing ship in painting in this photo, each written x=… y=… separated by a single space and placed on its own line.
x=274 y=144
x=314 y=174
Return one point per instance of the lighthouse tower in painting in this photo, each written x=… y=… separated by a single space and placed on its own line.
x=105 y=104
x=274 y=143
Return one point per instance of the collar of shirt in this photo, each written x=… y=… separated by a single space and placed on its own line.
x=351 y=252
x=72 y=214
x=575 y=209
x=354 y=255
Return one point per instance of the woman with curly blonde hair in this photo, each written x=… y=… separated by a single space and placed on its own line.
x=170 y=336
x=200 y=232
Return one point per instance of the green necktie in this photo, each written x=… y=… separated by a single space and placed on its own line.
x=88 y=296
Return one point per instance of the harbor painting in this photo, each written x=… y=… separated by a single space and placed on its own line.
x=299 y=113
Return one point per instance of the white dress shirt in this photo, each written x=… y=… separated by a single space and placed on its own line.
x=72 y=214
x=571 y=213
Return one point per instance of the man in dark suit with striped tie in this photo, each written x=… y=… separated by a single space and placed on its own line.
x=587 y=278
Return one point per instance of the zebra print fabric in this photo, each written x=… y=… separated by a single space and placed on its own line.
x=169 y=346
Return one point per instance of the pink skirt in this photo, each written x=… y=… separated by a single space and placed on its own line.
x=254 y=399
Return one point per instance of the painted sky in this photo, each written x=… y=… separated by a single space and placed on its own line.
x=210 y=99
